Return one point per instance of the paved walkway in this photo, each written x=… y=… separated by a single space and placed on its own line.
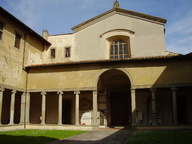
x=97 y=137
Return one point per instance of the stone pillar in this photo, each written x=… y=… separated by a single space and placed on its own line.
x=133 y=107
x=60 y=93
x=43 y=107
x=22 y=115
x=1 y=102
x=174 y=98
x=12 y=108
x=77 y=107
x=95 y=108
x=153 y=102
x=27 y=108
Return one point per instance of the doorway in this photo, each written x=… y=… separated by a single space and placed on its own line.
x=114 y=86
x=119 y=109
x=66 y=111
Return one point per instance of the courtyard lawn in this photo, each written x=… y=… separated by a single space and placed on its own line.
x=162 y=137
x=35 y=136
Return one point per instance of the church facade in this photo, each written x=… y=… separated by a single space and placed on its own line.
x=113 y=70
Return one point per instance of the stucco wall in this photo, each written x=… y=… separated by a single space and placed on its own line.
x=11 y=58
x=59 y=43
x=90 y=43
x=147 y=40
x=86 y=76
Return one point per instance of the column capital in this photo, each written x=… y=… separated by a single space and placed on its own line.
x=94 y=91
x=173 y=88
x=28 y=94
x=43 y=93
x=76 y=92
x=14 y=91
x=2 y=89
x=153 y=89
x=133 y=90
x=60 y=93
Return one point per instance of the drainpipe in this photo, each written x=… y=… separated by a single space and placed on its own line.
x=26 y=72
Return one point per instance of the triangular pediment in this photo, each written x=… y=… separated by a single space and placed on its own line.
x=119 y=11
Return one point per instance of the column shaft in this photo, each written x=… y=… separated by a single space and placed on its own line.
x=1 y=102
x=27 y=108
x=174 y=98
x=22 y=115
x=12 y=107
x=60 y=107
x=43 y=107
x=153 y=102
x=76 y=107
x=95 y=108
x=133 y=106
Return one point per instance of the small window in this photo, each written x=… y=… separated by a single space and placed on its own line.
x=1 y=30
x=17 y=40
x=52 y=53
x=67 y=52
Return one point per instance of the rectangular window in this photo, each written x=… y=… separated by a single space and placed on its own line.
x=1 y=30
x=52 y=53
x=67 y=52
x=17 y=40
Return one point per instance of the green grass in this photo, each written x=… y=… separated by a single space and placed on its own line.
x=35 y=136
x=162 y=137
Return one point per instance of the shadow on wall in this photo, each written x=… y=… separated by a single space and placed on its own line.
x=178 y=74
x=177 y=71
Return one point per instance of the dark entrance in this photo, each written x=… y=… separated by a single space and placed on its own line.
x=181 y=110
x=66 y=111
x=115 y=97
x=119 y=109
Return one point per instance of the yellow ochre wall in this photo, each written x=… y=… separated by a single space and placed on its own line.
x=85 y=76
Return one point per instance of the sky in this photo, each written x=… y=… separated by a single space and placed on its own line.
x=59 y=16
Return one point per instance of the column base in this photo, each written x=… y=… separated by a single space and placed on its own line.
x=95 y=127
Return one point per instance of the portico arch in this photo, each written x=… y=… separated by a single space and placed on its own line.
x=120 y=69
x=114 y=96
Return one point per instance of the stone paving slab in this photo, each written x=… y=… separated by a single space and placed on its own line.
x=97 y=137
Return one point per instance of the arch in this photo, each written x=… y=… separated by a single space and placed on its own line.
x=112 y=32
x=120 y=69
x=114 y=88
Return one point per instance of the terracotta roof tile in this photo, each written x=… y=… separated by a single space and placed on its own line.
x=103 y=60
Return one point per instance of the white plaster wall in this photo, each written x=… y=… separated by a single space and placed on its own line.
x=59 y=42
x=146 y=39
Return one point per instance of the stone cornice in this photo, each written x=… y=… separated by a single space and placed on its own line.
x=150 y=86
x=121 y=12
x=12 y=87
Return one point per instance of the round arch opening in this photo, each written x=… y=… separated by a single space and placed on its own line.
x=114 y=98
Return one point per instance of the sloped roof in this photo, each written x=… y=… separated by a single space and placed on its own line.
x=111 y=60
x=8 y=15
x=121 y=12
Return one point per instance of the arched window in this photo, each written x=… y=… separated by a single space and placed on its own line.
x=119 y=47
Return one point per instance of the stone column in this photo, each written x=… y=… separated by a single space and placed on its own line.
x=27 y=108
x=174 y=98
x=12 y=108
x=77 y=107
x=153 y=102
x=133 y=106
x=43 y=107
x=95 y=108
x=1 y=102
x=22 y=115
x=60 y=93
